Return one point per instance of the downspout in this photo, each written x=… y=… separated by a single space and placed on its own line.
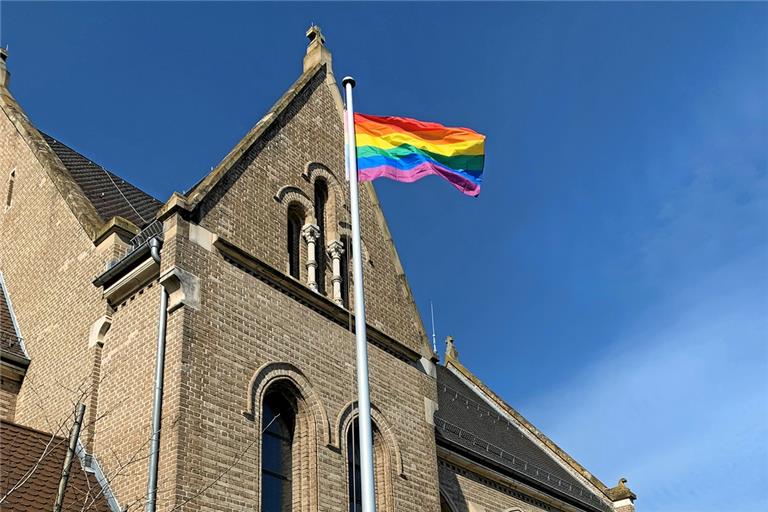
x=157 y=404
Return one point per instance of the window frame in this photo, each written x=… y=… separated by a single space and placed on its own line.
x=294 y=223
x=283 y=415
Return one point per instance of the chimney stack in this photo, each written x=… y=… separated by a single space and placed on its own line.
x=5 y=76
x=317 y=52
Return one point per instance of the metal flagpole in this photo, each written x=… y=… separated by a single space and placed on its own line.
x=363 y=396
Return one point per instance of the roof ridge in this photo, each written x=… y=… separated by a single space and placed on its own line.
x=109 y=174
x=112 y=174
x=124 y=188
x=80 y=206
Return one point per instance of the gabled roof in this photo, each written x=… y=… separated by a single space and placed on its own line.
x=110 y=194
x=94 y=195
x=33 y=460
x=11 y=345
x=465 y=422
x=202 y=188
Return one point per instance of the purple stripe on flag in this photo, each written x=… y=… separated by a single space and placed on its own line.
x=415 y=173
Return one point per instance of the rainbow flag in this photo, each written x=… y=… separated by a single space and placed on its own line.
x=406 y=150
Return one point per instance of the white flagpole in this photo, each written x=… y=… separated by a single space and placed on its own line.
x=363 y=396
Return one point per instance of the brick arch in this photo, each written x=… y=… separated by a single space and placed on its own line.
x=349 y=413
x=269 y=374
x=336 y=194
x=386 y=452
x=289 y=195
x=314 y=170
x=310 y=427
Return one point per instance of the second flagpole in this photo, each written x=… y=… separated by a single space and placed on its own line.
x=363 y=393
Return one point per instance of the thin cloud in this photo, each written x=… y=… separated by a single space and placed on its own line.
x=678 y=406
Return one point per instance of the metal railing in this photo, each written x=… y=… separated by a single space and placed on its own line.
x=153 y=229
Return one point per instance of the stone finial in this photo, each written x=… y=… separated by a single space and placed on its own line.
x=450 y=349
x=317 y=52
x=5 y=75
x=313 y=33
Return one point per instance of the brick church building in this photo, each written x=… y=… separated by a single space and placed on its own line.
x=249 y=269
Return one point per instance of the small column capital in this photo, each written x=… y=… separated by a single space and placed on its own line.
x=310 y=232
x=335 y=249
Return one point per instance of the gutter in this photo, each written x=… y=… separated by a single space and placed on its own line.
x=21 y=362
x=113 y=273
x=91 y=465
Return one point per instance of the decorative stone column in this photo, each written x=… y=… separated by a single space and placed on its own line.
x=311 y=233
x=335 y=250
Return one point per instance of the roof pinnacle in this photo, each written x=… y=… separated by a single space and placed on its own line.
x=451 y=354
x=317 y=52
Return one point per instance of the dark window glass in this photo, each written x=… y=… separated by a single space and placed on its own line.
x=293 y=236
x=353 y=469
x=346 y=255
x=444 y=507
x=276 y=455
x=321 y=198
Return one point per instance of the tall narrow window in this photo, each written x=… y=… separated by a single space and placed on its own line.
x=353 y=469
x=9 y=195
x=321 y=198
x=345 y=256
x=293 y=238
x=278 y=423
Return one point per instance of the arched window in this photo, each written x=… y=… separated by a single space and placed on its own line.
x=293 y=239
x=321 y=201
x=9 y=195
x=381 y=468
x=290 y=417
x=345 y=259
x=353 y=469
x=278 y=422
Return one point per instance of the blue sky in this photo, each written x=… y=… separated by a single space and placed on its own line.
x=611 y=280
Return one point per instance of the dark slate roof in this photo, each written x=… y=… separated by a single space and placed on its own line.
x=25 y=450
x=466 y=423
x=10 y=341
x=110 y=194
